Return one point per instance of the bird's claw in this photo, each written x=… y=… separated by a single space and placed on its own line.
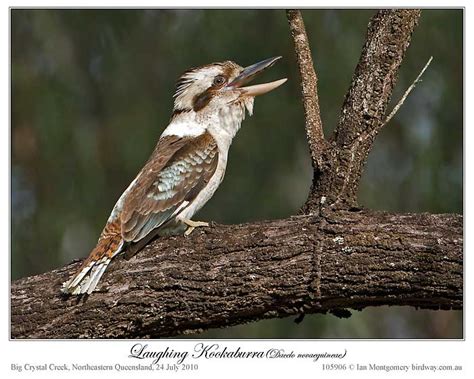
x=193 y=225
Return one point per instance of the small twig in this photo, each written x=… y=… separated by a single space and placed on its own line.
x=309 y=79
x=407 y=92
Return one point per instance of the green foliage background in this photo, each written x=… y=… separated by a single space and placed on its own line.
x=92 y=91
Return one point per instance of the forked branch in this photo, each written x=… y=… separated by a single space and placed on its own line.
x=363 y=112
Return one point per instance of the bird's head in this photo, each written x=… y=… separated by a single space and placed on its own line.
x=215 y=87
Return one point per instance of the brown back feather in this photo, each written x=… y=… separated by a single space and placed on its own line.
x=181 y=166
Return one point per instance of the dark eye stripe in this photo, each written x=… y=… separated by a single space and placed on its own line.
x=200 y=101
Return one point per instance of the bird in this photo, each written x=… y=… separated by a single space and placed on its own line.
x=185 y=168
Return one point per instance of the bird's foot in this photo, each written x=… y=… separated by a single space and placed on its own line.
x=193 y=225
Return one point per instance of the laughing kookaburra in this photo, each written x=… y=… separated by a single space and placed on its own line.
x=185 y=168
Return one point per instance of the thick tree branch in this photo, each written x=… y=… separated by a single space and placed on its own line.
x=363 y=112
x=230 y=275
x=388 y=37
x=309 y=88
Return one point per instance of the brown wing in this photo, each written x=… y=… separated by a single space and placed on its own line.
x=176 y=172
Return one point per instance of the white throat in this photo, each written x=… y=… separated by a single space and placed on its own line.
x=223 y=123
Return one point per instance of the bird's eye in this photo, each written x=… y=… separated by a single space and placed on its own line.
x=219 y=80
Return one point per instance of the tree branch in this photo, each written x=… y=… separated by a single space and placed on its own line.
x=229 y=275
x=388 y=37
x=405 y=95
x=309 y=88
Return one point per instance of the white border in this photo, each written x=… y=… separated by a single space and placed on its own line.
x=390 y=352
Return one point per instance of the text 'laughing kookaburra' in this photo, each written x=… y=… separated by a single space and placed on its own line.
x=184 y=170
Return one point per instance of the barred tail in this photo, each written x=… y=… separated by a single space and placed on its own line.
x=86 y=279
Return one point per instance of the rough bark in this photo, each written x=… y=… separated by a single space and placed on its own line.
x=309 y=88
x=228 y=275
x=332 y=258
x=388 y=37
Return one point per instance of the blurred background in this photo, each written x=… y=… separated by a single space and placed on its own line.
x=92 y=91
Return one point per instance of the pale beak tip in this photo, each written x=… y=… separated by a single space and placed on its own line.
x=260 y=89
x=278 y=83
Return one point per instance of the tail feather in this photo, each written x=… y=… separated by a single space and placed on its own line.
x=88 y=276
x=95 y=276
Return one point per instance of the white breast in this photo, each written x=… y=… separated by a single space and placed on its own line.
x=222 y=126
x=185 y=126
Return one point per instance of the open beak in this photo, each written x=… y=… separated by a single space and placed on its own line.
x=249 y=73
